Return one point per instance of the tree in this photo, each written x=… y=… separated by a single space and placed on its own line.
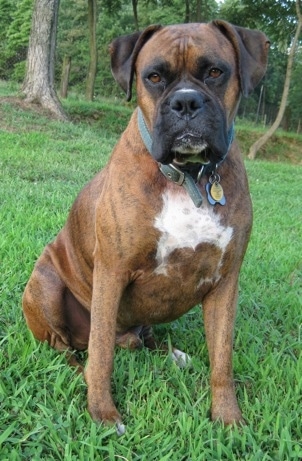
x=72 y=49
x=66 y=67
x=92 y=68
x=38 y=85
x=261 y=141
x=135 y=14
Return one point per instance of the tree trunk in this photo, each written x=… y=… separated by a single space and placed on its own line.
x=261 y=141
x=92 y=68
x=38 y=86
x=187 y=12
x=65 y=76
x=198 y=11
x=135 y=14
x=259 y=103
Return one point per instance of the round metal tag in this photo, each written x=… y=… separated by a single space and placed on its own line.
x=216 y=191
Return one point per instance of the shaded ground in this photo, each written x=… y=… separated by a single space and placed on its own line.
x=113 y=115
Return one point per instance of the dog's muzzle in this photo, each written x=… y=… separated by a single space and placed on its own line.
x=190 y=127
x=186 y=104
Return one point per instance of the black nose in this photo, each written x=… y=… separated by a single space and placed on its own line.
x=187 y=103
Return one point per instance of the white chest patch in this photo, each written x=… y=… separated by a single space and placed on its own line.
x=182 y=225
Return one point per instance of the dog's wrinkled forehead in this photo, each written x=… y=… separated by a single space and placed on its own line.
x=188 y=46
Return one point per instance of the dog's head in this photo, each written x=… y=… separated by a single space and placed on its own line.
x=189 y=79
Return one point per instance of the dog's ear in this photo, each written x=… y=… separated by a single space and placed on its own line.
x=251 y=48
x=124 y=51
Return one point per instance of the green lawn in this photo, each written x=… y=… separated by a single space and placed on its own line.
x=43 y=416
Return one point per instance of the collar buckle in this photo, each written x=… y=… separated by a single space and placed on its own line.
x=173 y=173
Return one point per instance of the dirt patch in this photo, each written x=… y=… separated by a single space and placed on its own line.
x=22 y=104
x=282 y=147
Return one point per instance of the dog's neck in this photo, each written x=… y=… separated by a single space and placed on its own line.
x=187 y=176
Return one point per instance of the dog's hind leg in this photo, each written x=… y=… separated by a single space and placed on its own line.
x=52 y=313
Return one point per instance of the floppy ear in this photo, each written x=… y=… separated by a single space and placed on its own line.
x=124 y=51
x=251 y=48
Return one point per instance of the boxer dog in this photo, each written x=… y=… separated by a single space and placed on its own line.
x=165 y=225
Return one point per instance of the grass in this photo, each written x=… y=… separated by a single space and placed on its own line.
x=43 y=416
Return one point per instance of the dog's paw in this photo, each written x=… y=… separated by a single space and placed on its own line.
x=180 y=358
x=120 y=429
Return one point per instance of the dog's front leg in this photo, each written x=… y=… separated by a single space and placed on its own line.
x=219 y=310
x=106 y=295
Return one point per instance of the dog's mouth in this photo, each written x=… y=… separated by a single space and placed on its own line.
x=189 y=148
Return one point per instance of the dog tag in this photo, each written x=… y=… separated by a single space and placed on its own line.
x=215 y=191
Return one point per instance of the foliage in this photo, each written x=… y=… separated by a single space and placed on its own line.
x=295 y=99
x=73 y=38
x=115 y=17
x=5 y=15
x=277 y=19
x=17 y=14
x=43 y=402
x=5 y=18
x=172 y=12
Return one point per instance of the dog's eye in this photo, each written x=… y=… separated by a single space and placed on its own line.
x=154 y=78
x=215 y=72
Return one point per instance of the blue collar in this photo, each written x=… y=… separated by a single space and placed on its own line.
x=143 y=129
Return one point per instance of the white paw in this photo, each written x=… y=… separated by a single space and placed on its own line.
x=120 y=429
x=180 y=358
